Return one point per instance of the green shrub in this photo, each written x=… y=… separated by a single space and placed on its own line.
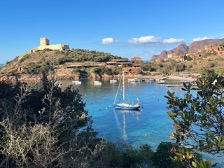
x=24 y=58
x=187 y=58
x=221 y=44
x=212 y=64
x=179 y=67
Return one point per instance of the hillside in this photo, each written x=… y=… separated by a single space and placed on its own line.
x=65 y=63
x=196 y=63
x=199 y=56
x=184 y=49
x=195 y=46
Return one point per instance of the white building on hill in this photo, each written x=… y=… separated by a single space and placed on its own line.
x=45 y=44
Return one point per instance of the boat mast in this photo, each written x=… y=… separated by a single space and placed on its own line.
x=123 y=87
x=118 y=89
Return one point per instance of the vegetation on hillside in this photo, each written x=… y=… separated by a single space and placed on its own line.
x=90 y=62
x=192 y=64
x=44 y=60
x=221 y=44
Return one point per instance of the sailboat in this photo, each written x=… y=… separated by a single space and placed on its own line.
x=124 y=104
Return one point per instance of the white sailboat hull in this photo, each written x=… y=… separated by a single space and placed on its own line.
x=126 y=106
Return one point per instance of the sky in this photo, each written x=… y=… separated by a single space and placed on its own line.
x=125 y=28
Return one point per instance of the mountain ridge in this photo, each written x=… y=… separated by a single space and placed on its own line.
x=183 y=49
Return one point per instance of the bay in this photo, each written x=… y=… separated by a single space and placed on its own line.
x=151 y=125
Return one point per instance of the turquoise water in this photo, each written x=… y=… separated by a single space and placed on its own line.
x=150 y=125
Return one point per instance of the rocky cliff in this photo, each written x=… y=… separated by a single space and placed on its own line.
x=183 y=49
x=180 y=50
x=195 y=46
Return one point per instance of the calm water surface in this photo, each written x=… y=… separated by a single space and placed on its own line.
x=150 y=125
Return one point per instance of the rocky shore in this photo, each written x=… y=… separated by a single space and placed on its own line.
x=34 y=78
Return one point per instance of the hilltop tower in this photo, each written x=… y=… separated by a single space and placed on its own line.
x=44 y=41
x=45 y=44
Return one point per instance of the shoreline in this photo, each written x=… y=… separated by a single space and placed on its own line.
x=30 y=78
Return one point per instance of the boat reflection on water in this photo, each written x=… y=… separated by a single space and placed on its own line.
x=122 y=127
x=126 y=111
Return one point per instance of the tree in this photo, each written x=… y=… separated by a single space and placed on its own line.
x=198 y=115
x=162 y=158
x=45 y=127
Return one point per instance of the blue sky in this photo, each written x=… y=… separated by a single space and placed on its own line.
x=125 y=28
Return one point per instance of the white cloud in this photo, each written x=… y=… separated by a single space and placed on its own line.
x=108 y=40
x=172 y=40
x=144 y=39
x=200 y=38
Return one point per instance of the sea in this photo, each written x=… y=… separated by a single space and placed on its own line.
x=150 y=125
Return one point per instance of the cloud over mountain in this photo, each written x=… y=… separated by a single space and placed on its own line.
x=200 y=38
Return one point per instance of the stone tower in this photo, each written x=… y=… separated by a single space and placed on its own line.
x=44 y=41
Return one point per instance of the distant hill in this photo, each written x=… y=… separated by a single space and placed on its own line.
x=33 y=64
x=195 y=46
x=180 y=50
x=184 y=49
